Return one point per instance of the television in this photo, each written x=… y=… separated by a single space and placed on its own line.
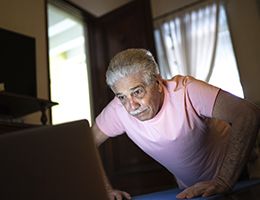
x=18 y=63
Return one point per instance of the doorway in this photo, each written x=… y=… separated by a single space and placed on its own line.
x=68 y=66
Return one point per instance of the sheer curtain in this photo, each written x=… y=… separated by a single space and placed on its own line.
x=197 y=42
x=225 y=72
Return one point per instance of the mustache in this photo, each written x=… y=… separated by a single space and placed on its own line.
x=137 y=111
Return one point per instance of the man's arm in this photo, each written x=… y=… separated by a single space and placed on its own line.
x=99 y=138
x=244 y=119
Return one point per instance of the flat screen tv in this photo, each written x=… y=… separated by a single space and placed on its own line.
x=18 y=63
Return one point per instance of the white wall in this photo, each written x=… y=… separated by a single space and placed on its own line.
x=160 y=7
x=28 y=17
x=99 y=7
x=244 y=17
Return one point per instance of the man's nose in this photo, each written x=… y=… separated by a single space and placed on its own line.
x=133 y=103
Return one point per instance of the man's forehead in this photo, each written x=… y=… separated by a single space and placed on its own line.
x=125 y=90
x=129 y=81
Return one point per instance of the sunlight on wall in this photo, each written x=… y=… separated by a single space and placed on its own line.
x=68 y=67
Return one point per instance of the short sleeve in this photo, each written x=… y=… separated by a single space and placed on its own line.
x=202 y=96
x=108 y=121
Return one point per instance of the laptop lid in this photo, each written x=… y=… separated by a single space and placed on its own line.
x=51 y=162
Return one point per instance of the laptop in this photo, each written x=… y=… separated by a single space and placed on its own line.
x=57 y=162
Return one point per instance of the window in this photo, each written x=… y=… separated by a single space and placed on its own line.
x=69 y=75
x=225 y=72
x=197 y=42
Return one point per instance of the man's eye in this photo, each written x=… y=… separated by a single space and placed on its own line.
x=139 y=92
x=121 y=98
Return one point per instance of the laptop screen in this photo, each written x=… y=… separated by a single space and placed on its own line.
x=51 y=162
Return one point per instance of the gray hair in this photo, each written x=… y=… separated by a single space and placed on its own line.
x=129 y=62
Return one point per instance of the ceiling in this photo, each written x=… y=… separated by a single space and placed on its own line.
x=99 y=7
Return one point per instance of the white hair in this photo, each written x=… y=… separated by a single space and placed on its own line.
x=130 y=62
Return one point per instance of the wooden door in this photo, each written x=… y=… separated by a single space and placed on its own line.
x=127 y=167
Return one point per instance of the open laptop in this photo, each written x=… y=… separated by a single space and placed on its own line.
x=51 y=162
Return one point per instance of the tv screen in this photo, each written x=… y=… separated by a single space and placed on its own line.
x=18 y=63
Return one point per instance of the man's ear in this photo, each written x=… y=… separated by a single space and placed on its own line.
x=158 y=78
x=159 y=81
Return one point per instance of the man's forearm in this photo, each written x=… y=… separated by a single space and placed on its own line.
x=241 y=142
x=107 y=182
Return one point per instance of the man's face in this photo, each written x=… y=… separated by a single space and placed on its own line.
x=140 y=100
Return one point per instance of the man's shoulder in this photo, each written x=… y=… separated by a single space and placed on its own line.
x=114 y=104
x=178 y=82
x=184 y=80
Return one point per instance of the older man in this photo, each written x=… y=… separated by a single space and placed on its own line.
x=200 y=133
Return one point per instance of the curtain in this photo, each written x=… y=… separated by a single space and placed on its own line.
x=225 y=72
x=197 y=42
x=187 y=41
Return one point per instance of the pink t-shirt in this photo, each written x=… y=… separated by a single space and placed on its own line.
x=181 y=137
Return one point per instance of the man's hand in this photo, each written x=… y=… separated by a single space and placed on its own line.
x=204 y=189
x=118 y=195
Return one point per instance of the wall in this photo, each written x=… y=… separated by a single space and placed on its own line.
x=28 y=17
x=99 y=7
x=160 y=7
x=244 y=18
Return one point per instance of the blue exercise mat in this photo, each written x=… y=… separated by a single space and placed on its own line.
x=171 y=194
